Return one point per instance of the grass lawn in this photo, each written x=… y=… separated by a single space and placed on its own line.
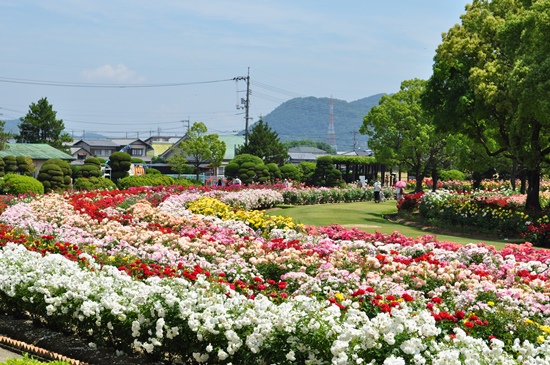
x=368 y=216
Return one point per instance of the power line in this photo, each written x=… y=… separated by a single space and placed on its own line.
x=112 y=86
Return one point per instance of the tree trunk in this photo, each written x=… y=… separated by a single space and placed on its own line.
x=532 y=204
x=514 y=174
x=434 y=179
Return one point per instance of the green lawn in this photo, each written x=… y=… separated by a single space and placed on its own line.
x=367 y=216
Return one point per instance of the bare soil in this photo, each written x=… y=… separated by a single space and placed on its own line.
x=70 y=346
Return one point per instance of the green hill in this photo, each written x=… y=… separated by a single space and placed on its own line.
x=309 y=118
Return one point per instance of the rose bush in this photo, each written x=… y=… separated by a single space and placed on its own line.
x=179 y=273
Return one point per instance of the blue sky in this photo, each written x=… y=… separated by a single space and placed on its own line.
x=68 y=50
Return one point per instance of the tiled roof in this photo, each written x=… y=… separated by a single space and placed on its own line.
x=36 y=151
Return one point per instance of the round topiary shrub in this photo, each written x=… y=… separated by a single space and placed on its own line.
x=55 y=175
x=21 y=184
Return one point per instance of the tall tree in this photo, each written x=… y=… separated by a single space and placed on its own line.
x=490 y=82
x=41 y=126
x=198 y=148
x=264 y=143
x=401 y=134
x=4 y=137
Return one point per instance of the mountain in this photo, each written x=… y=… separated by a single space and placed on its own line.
x=309 y=118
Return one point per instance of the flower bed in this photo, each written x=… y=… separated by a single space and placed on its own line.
x=181 y=274
x=484 y=211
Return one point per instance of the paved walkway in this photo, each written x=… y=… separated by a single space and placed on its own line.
x=6 y=354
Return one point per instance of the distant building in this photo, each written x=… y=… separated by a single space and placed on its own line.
x=304 y=154
x=38 y=152
x=103 y=148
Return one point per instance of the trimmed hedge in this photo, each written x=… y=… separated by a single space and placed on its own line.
x=94 y=183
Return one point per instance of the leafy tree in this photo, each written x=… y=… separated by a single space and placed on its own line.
x=198 y=148
x=326 y=174
x=4 y=137
x=41 y=126
x=309 y=143
x=264 y=143
x=490 y=82
x=402 y=134
x=2 y=167
x=120 y=163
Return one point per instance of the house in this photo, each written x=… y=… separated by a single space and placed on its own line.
x=304 y=154
x=103 y=148
x=231 y=144
x=38 y=152
x=160 y=144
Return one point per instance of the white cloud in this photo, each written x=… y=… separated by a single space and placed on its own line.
x=119 y=73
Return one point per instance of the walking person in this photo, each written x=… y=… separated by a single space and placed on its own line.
x=377 y=188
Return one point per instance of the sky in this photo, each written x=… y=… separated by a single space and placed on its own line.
x=136 y=68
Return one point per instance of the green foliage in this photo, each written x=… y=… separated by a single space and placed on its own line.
x=2 y=166
x=447 y=175
x=4 y=137
x=401 y=134
x=120 y=163
x=180 y=181
x=248 y=168
x=291 y=172
x=41 y=126
x=91 y=168
x=307 y=172
x=94 y=183
x=152 y=171
x=10 y=164
x=55 y=175
x=274 y=172
x=264 y=143
x=20 y=184
x=145 y=180
x=136 y=160
x=490 y=83
x=198 y=148
x=326 y=174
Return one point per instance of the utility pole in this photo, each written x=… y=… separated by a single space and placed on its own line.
x=186 y=121
x=246 y=103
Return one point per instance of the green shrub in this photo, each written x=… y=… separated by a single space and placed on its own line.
x=181 y=181
x=25 y=165
x=152 y=171
x=10 y=164
x=21 y=184
x=447 y=175
x=55 y=175
x=94 y=183
x=145 y=180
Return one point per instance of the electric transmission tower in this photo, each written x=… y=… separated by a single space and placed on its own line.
x=331 y=135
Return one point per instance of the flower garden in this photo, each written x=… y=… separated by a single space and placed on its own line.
x=205 y=276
